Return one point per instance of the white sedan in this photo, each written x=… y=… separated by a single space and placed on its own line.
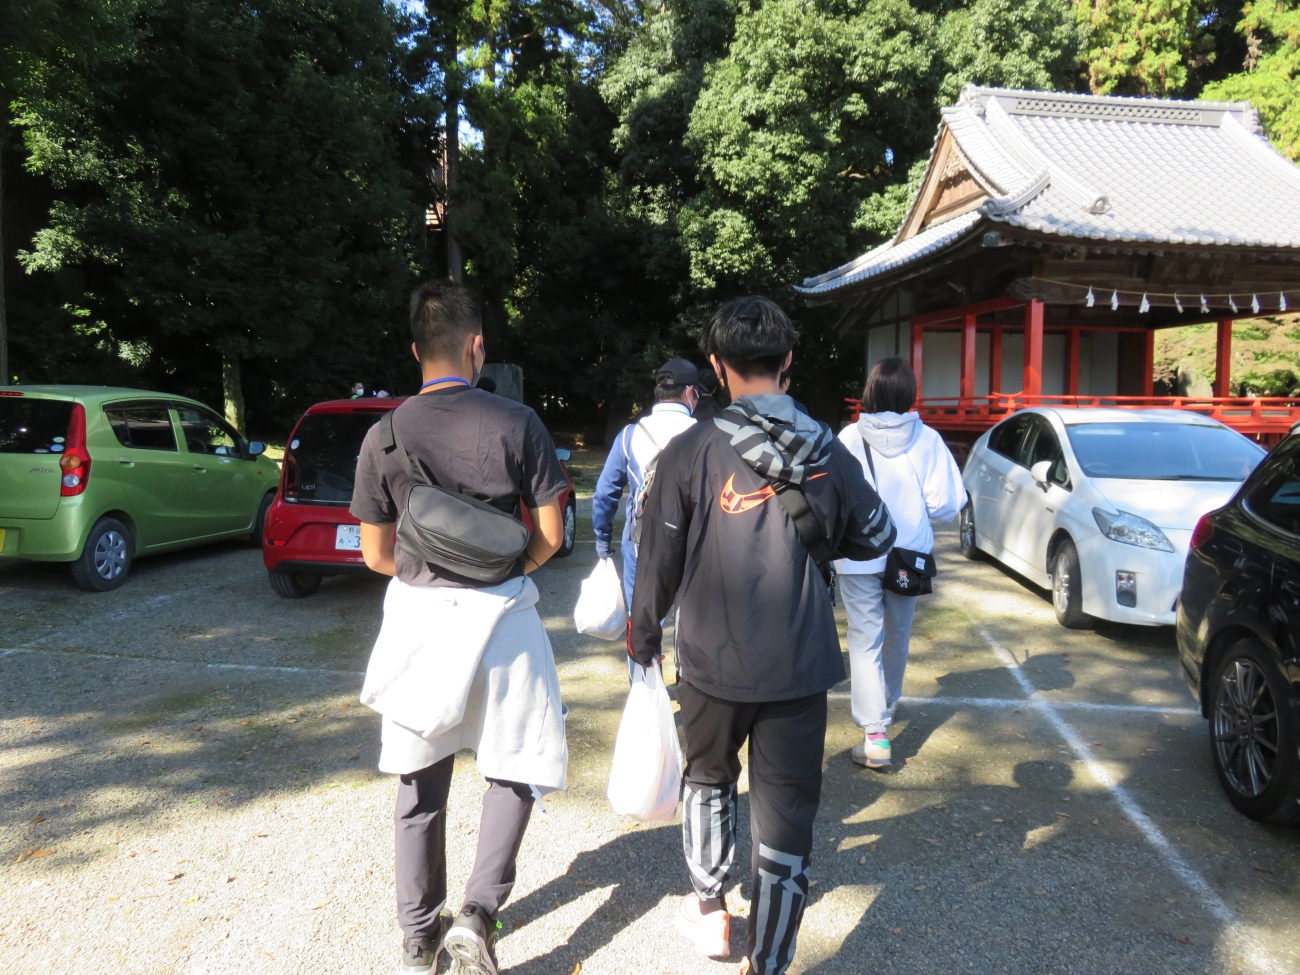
x=1099 y=505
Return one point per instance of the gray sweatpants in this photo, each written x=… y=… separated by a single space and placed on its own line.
x=420 y=835
x=880 y=631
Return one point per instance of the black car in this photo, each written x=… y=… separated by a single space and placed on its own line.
x=1239 y=636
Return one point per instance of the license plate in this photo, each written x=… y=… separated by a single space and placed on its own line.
x=348 y=537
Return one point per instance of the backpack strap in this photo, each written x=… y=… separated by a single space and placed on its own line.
x=808 y=527
x=389 y=441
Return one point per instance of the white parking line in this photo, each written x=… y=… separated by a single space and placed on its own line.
x=1000 y=702
x=1150 y=831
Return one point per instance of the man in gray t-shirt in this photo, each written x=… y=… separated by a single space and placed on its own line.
x=495 y=450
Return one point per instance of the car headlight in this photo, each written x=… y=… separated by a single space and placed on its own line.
x=1129 y=529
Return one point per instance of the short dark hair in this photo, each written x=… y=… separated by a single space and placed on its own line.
x=891 y=387
x=443 y=314
x=664 y=392
x=752 y=335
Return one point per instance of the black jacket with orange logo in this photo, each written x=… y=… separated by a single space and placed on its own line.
x=756 y=619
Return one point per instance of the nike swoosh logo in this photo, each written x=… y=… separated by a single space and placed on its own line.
x=734 y=504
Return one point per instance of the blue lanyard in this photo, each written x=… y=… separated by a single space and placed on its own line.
x=444 y=379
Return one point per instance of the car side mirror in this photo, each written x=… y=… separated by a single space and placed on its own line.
x=1040 y=471
x=562 y=454
x=256 y=447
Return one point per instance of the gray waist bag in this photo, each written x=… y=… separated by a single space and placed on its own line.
x=454 y=532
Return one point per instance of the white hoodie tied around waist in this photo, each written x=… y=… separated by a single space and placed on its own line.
x=468 y=668
x=916 y=477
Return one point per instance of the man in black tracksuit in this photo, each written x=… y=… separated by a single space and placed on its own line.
x=757 y=644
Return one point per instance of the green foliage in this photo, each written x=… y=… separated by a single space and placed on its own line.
x=1270 y=80
x=881 y=214
x=1142 y=47
x=1278 y=382
x=1030 y=44
x=237 y=184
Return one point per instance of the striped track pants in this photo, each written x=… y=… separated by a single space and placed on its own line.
x=786 y=740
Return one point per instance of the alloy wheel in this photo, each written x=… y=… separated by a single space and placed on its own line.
x=110 y=555
x=967 y=529
x=570 y=526
x=1246 y=728
x=1061 y=585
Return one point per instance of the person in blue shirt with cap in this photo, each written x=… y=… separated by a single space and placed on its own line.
x=633 y=457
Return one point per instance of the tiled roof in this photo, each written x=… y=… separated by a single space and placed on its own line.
x=889 y=255
x=1139 y=171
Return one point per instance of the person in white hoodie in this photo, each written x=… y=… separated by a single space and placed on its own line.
x=916 y=476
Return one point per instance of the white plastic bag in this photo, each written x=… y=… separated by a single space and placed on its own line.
x=645 y=781
x=600 y=611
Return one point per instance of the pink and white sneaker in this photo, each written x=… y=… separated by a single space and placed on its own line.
x=710 y=933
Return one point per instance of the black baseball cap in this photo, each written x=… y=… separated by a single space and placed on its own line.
x=677 y=372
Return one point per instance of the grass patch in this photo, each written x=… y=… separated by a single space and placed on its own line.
x=338 y=645
x=166 y=707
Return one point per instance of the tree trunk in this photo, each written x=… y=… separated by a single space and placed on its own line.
x=232 y=390
x=5 y=378
x=451 y=72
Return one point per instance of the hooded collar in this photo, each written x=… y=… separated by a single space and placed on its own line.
x=890 y=434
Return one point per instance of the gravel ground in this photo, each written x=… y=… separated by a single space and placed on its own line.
x=188 y=786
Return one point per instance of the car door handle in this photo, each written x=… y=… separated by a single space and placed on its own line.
x=200 y=469
x=126 y=461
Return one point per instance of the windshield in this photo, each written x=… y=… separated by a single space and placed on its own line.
x=321 y=459
x=1163 y=451
x=33 y=426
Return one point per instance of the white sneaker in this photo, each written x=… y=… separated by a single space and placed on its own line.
x=710 y=933
x=872 y=754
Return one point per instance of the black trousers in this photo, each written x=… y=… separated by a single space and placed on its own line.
x=786 y=743
x=420 y=839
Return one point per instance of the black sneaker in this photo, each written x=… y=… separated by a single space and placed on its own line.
x=471 y=943
x=420 y=956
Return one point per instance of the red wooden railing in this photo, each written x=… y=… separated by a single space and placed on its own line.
x=1271 y=416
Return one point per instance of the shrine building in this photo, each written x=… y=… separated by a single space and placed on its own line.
x=1054 y=233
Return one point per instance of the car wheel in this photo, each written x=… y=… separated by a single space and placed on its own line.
x=294 y=585
x=259 y=520
x=966 y=530
x=570 y=527
x=105 y=559
x=1067 y=588
x=1253 y=735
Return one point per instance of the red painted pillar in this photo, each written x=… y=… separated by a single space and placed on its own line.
x=995 y=360
x=1033 y=385
x=967 y=388
x=1072 y=365
x=917 y=346
x=1149 y=364
x=1223 y=359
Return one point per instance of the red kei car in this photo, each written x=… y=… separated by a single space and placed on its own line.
x=309 y=532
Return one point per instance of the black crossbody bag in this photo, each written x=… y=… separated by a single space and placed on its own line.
x=907 y=573
x=454 y=532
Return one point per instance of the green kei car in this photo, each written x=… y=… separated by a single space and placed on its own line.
x=96 y=476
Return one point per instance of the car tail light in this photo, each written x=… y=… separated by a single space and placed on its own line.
x=75 y=459
x=10 y=392
x=1202 y=533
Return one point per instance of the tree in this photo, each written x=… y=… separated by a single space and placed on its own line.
x=246 y=182
x=1144 y=47
x=1270 y=79
x=771 y=140
x=50 y=41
